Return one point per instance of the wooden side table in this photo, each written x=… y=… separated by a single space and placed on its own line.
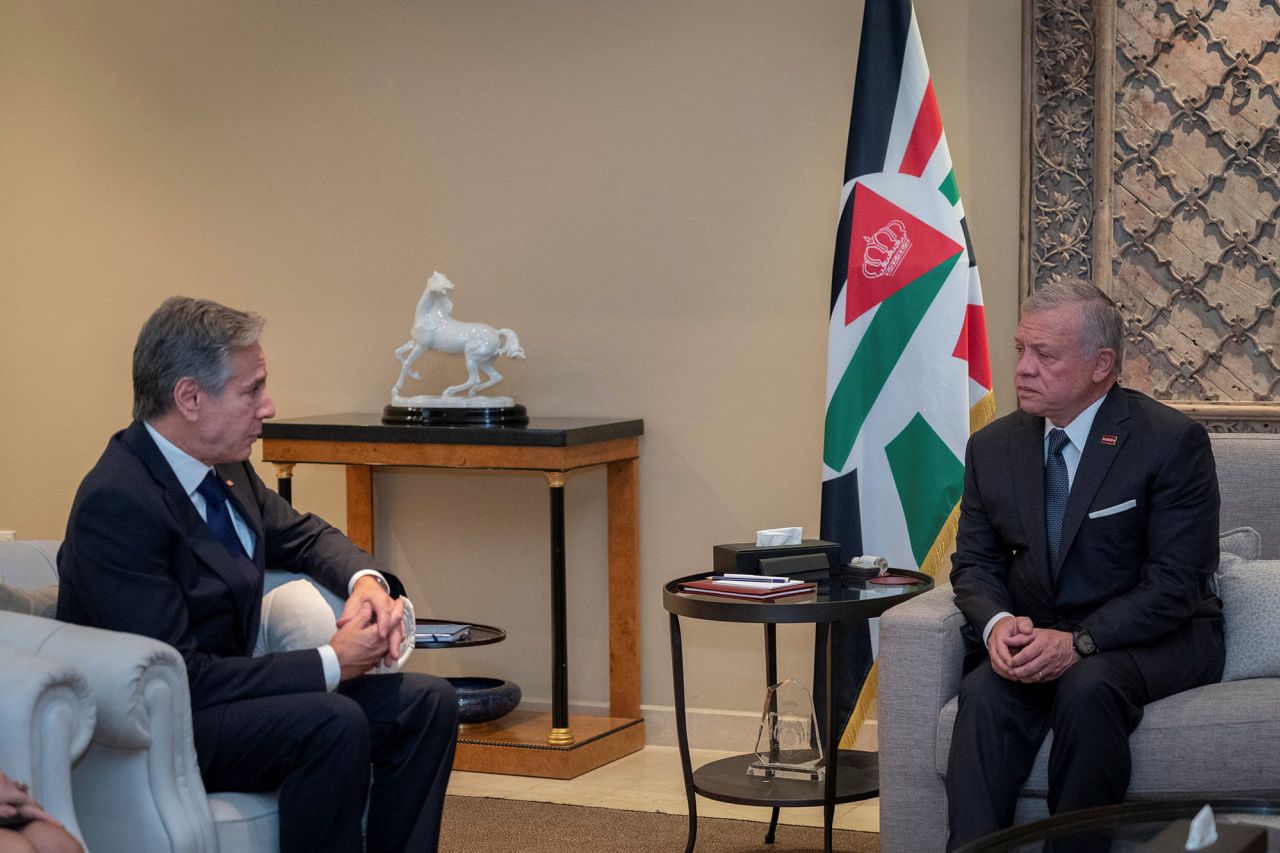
x=556 y=745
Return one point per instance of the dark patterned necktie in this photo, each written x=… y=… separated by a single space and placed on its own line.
x=218 y=516
x=1056 y=488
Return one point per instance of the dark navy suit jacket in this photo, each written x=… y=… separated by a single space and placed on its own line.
x=137 y=557
x=1139 y=537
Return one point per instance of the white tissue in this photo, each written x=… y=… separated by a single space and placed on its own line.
x=779 y=536
x=1204 y=830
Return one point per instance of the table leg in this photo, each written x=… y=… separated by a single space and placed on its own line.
x=624 y=589
x=560 y=735
x=770 y=679
x=284 y=480
x=682 y=731
x=833 y=739
x=360 y=506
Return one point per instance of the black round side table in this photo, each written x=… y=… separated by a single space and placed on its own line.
x=855 y=774
x=481 y=635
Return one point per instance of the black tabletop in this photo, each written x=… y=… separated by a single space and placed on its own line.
x=834 y=601
x=368 y=426
x=481 y=635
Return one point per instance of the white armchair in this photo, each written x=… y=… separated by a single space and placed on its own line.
x=47 y=716
x=138 y=785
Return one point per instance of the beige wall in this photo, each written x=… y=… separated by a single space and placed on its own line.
x=645 y=191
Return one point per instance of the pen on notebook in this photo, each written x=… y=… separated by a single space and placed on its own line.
x=762 y=579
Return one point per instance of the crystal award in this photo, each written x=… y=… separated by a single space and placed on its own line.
x=788 y=746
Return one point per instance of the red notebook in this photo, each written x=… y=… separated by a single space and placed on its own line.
x=752 y=591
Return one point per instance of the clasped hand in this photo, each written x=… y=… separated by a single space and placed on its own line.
x=1019 y=651
x=370 y=629
x=15 y=801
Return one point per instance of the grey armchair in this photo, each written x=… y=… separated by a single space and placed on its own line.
x=1221 y=739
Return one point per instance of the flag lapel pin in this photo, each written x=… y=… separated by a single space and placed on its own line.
x=1110 y=440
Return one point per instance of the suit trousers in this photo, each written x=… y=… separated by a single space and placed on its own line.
x=319 y=749
x=1092 y=709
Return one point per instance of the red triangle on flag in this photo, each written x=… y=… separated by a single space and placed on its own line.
x=972 y=345
x=888 y=249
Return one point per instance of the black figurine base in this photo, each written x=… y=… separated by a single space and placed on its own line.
x=507 y=416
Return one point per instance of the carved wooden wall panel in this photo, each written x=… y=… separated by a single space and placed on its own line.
x=1152 y=166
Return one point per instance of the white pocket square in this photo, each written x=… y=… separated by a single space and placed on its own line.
x=1112 y=510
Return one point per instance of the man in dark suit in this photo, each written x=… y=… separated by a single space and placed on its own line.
x=169 y=536
x=1087 y=540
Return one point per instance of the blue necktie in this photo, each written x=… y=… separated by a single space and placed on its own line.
x=218 y=516
x=1056 y=487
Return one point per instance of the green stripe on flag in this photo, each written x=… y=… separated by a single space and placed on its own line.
x=879 y=350
x=929 y=479
x=950 y=188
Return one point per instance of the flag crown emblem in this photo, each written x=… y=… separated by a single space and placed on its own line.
x=885 y=250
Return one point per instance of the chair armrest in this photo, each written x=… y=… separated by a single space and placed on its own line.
x=138 y=786
x=46 y=720
x=921 y=660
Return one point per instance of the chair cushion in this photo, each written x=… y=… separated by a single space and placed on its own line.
x=1241 y=541
x=1250 y=593
x=42 y=601
x=1220 y=739
x=29 y=563
x=246 y=822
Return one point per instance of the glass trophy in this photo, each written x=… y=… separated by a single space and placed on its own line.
x=788 y=745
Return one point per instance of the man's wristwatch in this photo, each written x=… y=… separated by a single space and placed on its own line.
x=1083 y=643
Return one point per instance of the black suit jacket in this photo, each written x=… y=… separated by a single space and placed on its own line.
x=1130 y=576
x=137 y=557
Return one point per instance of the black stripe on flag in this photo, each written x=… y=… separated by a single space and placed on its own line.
x=968 y=243
x=840 y=512
x=885 y=24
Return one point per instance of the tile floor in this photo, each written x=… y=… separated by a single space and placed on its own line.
x=650 y=780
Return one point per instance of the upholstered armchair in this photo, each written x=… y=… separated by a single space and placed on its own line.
x=1221 y=739
x=47 y=715
x=137 y=786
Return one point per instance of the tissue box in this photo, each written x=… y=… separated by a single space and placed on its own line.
x=1232 y=838
x=744 y=558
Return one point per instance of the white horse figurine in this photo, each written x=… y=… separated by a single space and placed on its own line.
x=434 y=328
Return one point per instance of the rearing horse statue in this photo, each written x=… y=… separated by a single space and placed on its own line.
x=434 y=328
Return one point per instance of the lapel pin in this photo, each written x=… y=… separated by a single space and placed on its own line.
x=1113 y=441
x=1110 y=440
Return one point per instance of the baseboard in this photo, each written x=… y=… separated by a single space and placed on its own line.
x=709 y=728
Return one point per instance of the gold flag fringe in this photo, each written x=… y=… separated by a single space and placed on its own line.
x=980 y=414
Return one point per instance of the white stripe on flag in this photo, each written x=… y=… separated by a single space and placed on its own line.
x=939 y=165
x=911 y=89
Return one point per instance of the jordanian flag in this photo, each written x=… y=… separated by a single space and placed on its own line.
x=908 y=376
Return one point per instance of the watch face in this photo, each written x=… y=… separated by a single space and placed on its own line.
x=1084 y=643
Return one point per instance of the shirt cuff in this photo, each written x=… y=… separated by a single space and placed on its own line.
x=332 y=669
x=371 y=573
x=986 y=632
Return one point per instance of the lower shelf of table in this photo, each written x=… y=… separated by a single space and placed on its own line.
x=518 y=746
x=858 y=778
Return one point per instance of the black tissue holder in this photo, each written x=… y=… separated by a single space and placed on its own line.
x=811 y=559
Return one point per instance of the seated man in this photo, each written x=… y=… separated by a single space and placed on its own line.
x=169 y=536
x=1088 y=536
